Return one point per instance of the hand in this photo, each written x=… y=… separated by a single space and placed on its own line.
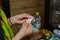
x=25 y=30
x=17 y=18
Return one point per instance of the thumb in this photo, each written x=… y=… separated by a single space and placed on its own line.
x=20 y=21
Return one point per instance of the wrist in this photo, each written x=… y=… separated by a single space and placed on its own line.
x=18 y=36
x=10 y=21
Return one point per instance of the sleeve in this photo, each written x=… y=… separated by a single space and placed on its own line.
x=1 y=35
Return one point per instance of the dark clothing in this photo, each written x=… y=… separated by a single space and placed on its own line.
x=1 y=35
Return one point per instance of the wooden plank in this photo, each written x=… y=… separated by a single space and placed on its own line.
x=24 y=4
x=27 y=10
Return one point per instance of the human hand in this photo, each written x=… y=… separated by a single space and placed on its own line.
x=26 y=29
x=21 y=18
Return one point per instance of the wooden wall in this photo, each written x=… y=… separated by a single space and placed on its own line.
x=27 y=6
x=0 y=3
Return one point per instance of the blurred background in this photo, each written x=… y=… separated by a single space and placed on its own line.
x=49 y=11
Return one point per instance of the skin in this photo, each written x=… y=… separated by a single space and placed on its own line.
x=25 y=30
x=26 y=27
x=17 y=18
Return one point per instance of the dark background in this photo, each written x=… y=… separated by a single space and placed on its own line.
x=6 y=7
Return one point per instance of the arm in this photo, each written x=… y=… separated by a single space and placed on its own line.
x=18 y=36
x=17 y=18
x=25 y=30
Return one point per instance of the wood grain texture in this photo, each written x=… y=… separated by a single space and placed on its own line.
x=24 y=4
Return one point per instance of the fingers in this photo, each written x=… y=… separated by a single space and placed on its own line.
x=28 y=15
x=20 y=18
x=21 y=21
x=30 y=27
x=26 y=28
x=25 y=24
x=24 y=15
